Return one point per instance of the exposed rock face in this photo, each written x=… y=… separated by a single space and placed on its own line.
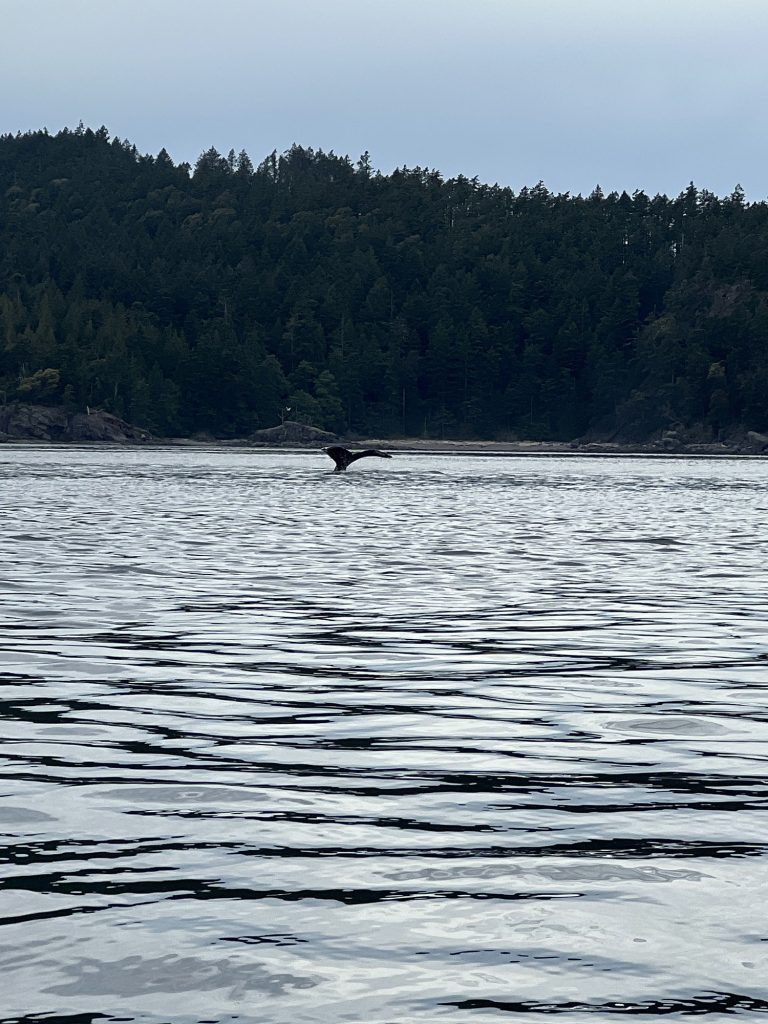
x=103 y=426
x=45 y=423
x=292 y=434
x=755 y=441
x=33 y=422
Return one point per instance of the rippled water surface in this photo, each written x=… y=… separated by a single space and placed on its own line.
x=442 y=739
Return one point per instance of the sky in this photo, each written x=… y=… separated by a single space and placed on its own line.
x=627 y=94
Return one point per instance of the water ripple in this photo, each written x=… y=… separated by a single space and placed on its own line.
x=438 y=741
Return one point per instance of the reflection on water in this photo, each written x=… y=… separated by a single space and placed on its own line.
x=440 y=739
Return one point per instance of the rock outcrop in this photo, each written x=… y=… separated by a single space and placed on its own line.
x=755 y=441
x=20 y=422
x=292 y=434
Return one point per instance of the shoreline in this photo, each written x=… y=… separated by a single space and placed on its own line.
x=423 y=446
x=563 y=448
x=54 y=425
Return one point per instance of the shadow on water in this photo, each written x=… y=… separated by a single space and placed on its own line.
x=453 y=740
x=717 y=1002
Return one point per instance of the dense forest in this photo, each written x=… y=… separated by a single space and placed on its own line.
x=225 y=297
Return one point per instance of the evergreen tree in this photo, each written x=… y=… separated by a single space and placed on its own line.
x=210 y=299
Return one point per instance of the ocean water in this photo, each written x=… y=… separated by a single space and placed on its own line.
x=441 y=739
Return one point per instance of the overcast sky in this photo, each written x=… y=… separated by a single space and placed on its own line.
x=630 y=94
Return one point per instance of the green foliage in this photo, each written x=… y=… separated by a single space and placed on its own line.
x=213 y=299
x=39 y=386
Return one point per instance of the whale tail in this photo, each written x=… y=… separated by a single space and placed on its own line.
x=343 y=457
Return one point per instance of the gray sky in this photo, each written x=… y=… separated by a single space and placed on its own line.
x=629 y=94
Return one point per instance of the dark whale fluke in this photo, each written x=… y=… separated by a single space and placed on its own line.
x=343 y=457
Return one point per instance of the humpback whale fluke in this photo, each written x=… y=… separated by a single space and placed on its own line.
x=343 y=457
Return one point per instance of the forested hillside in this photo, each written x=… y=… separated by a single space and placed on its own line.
x=216 y=297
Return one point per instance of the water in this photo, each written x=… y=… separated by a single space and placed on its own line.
x=440 y=739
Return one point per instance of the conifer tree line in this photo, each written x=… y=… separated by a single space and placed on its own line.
x=227 y=297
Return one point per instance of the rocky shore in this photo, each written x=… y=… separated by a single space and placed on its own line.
x=19 y=422
x=751 y=443
x=297 y=435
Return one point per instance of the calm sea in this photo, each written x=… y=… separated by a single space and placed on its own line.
x=441 y=739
